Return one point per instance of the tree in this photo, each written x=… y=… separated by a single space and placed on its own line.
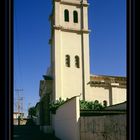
x=32 y=111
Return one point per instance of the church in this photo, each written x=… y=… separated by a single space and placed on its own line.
x=69 y=73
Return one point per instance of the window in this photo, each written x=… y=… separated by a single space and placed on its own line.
x=66 y=15
x=75 y=17
x=67 y=60
x=77 y=63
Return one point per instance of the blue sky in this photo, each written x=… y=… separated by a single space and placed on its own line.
x=107 y=22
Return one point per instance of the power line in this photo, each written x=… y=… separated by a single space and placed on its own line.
x=19 y=101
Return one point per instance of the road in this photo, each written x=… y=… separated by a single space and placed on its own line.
x=27 y=132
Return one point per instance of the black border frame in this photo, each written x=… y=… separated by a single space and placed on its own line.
x=6 y=60
x=131 y=69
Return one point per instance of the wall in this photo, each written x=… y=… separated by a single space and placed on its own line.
x=98 y=93
x=65 y=121
x=113 y=95
x=71 y=76
x=98 y=125
x=107 y=127
x=37 y=120
x=70 y=24
x=119 y=95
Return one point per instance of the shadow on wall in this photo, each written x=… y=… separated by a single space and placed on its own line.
x=104 y=127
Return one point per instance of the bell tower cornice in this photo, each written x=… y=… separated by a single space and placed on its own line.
x=71 y=29
x=76 y=2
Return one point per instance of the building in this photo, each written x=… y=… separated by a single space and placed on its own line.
x=18 y=118
x=69 y=73
x=70 y=64
x=111 y=89
x=70 y=48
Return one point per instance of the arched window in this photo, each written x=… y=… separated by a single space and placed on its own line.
x=77 y=63
x=67 y=61
x=66 y=15
x=75 y=16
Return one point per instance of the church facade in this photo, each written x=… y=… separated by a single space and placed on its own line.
x=69 y=73
x=70 y=48
x=70 y=64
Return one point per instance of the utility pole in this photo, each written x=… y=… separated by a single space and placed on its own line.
x=19 y=104
x=19 y=101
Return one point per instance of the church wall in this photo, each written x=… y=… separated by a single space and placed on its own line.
x=72 y=76
x=75 y=1
x=118 y=95
x=69 y=39
x=58 y=64
x=86 y=61
x=98 y=93
x=70 y=24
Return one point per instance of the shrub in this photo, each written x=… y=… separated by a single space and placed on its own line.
x=56 y=104
x=84 y=105
x=90 y=105
x=32 y=111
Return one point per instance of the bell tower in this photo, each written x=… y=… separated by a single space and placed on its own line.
x=69 y=48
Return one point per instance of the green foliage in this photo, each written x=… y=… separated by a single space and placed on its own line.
x=56 y=104
x=32 y=111
x=90 y=105
x=30 y=122
x=84 y=105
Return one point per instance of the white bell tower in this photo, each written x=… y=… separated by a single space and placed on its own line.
x=70 y=48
